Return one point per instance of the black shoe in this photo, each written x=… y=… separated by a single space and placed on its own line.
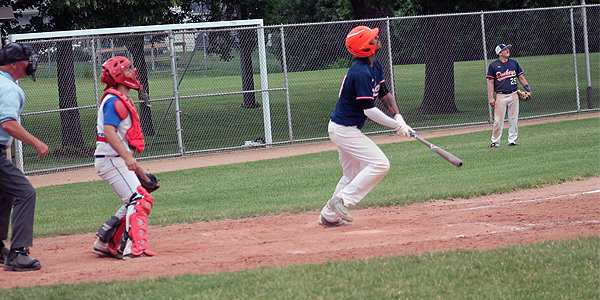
x=513 y=144
x=494 y=145
x=3 y=252
x=19 y=260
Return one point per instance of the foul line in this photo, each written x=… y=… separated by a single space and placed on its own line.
x=530 y=200
x=530 y=226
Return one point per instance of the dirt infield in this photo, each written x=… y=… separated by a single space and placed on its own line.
x=556 y=212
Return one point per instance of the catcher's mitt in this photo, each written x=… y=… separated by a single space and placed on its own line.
x=524 y=95
x=151 y=185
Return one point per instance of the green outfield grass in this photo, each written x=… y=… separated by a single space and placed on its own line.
x=550 y=270
x=216 y=122
x=548 y=153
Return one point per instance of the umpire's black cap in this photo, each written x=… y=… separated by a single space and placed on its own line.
x=14 y=52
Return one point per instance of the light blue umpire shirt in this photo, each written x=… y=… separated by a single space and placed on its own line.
x=12 y=100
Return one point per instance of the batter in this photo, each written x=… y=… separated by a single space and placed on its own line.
x=363 y=162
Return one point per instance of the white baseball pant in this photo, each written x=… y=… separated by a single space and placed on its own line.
x=123 y=181
x=506 y=103
x=363 y=165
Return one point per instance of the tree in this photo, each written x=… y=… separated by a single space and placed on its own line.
x=438 y=97
x=85 y=14
x=225 y=10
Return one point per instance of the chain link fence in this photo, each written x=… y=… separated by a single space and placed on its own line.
x=222 y=88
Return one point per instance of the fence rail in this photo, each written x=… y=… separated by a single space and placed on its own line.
x=232 y=85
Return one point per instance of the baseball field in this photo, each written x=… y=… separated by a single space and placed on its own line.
x=513 y=223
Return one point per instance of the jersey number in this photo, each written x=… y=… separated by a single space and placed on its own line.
x=513 y=81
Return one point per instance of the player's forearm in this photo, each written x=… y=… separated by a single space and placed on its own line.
x=390 y=104
x=378 y=116
x=18 y=132
x=490 y=89
x=523 y=80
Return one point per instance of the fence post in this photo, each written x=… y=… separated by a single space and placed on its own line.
x=176 y=92
x=575 y=61
x=94 y=68
x=264 y=84
x=389 y=52
x=286 y=85
x=485 y=66
x=590 y=99
x=204 y=51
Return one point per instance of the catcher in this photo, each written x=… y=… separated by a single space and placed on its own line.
x=119 y=136
x=502 y=77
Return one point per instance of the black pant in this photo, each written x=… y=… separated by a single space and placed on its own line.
x=16 y=193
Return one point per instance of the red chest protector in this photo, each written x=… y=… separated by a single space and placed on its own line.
x=134 y=135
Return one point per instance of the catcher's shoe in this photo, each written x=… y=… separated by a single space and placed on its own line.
x=19 y=260
x=3 y=252
x=323 y=222
x=127 y=253
x=337 y=205
x=101 y=248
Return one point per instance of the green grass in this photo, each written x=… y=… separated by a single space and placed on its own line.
x=217 y=122
x=550 y=270
x=549 y=153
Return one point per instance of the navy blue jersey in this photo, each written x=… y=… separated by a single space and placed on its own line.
x=361 y=83
x=504 y=75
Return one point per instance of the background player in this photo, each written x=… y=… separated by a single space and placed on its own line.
x=119 y=135
x=502 y=78
x=363 y=162
x=16 y=192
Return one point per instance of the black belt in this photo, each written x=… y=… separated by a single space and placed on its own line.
x=103 y=156
x=505 y=92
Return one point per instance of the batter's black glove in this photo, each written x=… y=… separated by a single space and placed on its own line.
x=523 y=95
x=151 y=185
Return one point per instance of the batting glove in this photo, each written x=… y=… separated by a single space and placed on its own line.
x=402 y=128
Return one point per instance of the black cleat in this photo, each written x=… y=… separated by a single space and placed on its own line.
x=512 y=144
x=3 y=252
x=19 y=260
x=494 y=145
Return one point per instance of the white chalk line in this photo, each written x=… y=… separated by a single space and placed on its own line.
x=508 y=229
x=530 y=200
x=528 y=227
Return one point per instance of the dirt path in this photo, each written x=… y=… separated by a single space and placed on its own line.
x=197 y=161
x=556 y=212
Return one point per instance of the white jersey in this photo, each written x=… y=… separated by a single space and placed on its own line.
x=104 y=148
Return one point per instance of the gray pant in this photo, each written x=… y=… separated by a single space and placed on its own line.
x=16 y=193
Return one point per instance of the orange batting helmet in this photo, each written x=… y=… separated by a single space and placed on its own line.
x=113 y=73
x=358 y=41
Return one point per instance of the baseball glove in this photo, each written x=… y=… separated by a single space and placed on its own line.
x=523 y=95
x=151 y=185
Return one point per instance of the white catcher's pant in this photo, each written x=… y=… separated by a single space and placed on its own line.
x=506 y=103
x=363 y=165
x=114 y=171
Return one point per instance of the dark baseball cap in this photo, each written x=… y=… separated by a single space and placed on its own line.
x=14 y=52
x=501 y=47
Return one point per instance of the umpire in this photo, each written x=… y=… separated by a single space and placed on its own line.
x=16 y=192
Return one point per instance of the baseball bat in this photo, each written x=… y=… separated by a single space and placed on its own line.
x=441 y=152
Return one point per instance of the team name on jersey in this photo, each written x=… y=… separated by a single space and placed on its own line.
x=506 y=74
x=376 y=91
